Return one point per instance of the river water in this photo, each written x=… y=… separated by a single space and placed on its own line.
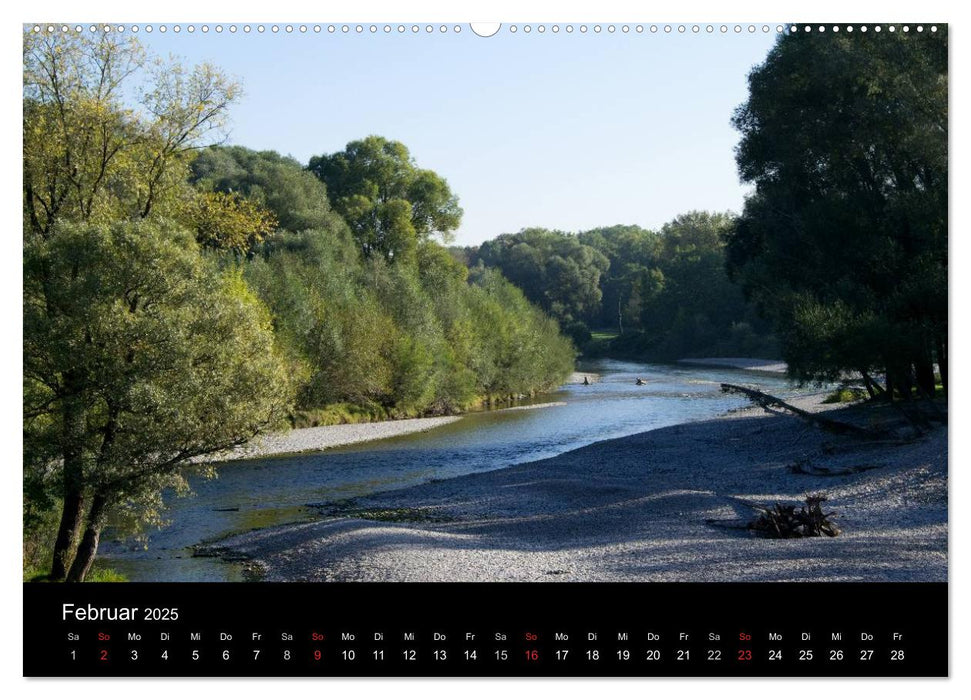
x=276 y=490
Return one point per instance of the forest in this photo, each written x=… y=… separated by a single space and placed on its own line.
x=182 y=297
x=649 y=295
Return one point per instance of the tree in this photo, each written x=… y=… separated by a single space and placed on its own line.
x=390 y=203
x=696 y=306
x=87 y=156
x=138 y=357
x=843 y=243
x=632 y=275
x=229 y=222
x=554 y=270
x=93 y=167
x=296 y=198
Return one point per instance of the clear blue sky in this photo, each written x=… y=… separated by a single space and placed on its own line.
x=567 y=131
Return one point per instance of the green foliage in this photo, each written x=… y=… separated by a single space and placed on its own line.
x=393 y=340
x=691 y=307
x=104 y=575
x=846 y=394
x=342 y=413
x=390 y=204
x=554 y=270
x=138 y=356
x=666 y=293
x=141 y=353
x=633 y=275
x=87 y=156
x=296 y=198
x=229 y=222
x=844 y=242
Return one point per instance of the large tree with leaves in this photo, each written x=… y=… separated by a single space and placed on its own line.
x=844 y=241
x=88 y=155
x=138 y=354
x=297 y=199
x=138 y=357
x=389 y=202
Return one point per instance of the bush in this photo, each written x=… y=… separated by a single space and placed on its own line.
x=846 y=394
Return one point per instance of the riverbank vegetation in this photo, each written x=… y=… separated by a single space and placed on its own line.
x=843 y=243
x=180 y=300
x=649 y=295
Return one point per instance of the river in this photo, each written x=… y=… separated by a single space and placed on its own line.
x=271 y=491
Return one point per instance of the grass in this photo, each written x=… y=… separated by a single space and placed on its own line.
x=105 y=575
x=98 y=574
x=846 y=394
x=347 y=509
x=339 y=414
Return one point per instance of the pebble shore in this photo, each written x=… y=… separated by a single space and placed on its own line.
x=328 y=436
x=665 y=505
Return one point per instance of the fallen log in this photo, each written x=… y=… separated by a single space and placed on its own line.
x=810 y=469
x=830 y=425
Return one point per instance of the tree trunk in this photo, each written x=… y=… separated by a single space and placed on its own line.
x=72 y=515
x=868 y=383
x=72 y=512
x=89 y=544
x=941 y=351
x=924 y=372
x=905 y=385
x=829 y=424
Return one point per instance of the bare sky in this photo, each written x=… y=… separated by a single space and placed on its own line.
x=565 y=130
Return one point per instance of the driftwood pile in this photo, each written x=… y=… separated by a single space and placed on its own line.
x=784 y=521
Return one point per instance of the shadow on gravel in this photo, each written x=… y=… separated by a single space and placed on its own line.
x=638 y=508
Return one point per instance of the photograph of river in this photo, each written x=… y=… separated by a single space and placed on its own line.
x=260 y=493
x=485 y=303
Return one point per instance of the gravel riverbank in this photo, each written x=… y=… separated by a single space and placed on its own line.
x=328 y=436
x=749 y=364
x=664 y=505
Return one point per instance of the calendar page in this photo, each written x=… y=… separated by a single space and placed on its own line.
x=485 y=349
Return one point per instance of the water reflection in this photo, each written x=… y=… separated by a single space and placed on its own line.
x=271 y=491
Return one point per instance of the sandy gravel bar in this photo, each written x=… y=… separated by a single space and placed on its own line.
x=664 y=505
x=328 y=436
x=748 y=364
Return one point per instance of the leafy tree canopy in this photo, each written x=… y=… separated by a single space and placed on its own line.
x=389 y=202
x=296 y=198
x=844 y=241
x=90 y=157
x=554 y=270
x=229 y=222
x=138 y=356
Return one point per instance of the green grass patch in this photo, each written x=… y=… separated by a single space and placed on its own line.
x=846 y=394
x=105 y=575
x=97 y=574
x=347 y=509
x=401 y=515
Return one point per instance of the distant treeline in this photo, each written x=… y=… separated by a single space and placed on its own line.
x=659 y=295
